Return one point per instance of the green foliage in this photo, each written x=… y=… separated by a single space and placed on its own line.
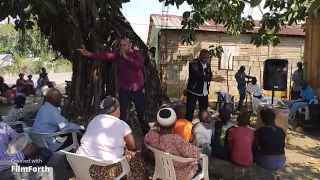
x=8 y=38
x=35 y=67
x=216 y=51
x=22 y=46
x=229 y=13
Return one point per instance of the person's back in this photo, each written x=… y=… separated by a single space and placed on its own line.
x=163 y=139
x=241 y=141
x=15 y=114
x=307 y=94
x=45 y=119
x=203 y=133
x=271 y=140
x=103 y=138
x=175 y=145
x=183 y=128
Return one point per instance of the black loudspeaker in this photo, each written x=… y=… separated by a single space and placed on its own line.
x=275 y=74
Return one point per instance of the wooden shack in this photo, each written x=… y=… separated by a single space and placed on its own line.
x=312 y=53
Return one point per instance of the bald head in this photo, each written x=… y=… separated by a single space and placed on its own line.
x=53 y=96
x=125 y=44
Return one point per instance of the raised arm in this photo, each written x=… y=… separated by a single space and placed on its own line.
x=99 y=56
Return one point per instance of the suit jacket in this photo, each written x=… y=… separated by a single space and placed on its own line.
x=198 y=76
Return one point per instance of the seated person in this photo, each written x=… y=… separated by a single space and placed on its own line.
x=8 y=92
x=16 y=113
x=50 y=120
x=23 y=86
x=30 y=151
x=30 y=82
x=164 y=140
x=183 y=98
x=203 y=132
x=306 y=96
x=254 y=89
x=108 y=127
x=219 y=144
x=241 y=141
x=269 y=142
x=183 y=127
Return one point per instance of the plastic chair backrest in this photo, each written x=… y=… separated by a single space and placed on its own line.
x=37 y=139
x=314 y=101
x=164 y=163
x=81 y=165
x=220 y=97
x=268 y=100
x=11 y=163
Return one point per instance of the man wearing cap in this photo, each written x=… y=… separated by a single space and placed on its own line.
x=164 y=140
x=130 y=79
x=200 y=76
x=297 y=77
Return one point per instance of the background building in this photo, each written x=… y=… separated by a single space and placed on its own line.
x=172 y=57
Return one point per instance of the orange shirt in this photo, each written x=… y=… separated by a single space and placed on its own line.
x=183 y=128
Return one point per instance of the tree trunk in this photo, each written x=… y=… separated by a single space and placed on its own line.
x=79 y=24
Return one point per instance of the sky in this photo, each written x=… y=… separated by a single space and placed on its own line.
x=138 y=13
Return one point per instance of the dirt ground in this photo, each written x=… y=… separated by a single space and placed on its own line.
x=302 y=149
x=303 y=157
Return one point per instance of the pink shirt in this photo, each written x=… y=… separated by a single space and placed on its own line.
x=241 y=139
x=130 y=75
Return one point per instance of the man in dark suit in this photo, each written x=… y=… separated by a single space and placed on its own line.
x=200 y=76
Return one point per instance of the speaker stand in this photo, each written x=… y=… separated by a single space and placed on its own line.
x=272 y=96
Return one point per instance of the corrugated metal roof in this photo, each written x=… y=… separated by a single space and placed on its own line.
x=174 y=22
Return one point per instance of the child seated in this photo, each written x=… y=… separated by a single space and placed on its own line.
x=203 y=132
x=183 y=98
x=182 y=127
x=241 y=140
x=219 y=142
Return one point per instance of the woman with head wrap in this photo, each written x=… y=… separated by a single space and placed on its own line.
x=107 y=138
x=164 y=140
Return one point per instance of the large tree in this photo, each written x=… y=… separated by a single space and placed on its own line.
x=96 y=24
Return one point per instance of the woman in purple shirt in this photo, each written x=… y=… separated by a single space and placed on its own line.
x=130 y=79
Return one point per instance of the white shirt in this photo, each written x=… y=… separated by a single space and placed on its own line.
x=254 y=89
x=104 y=138
x=205 y=89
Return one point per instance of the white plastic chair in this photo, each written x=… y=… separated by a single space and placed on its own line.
x=81 y=165
x=164 y=165
x=268 y=100
x=305 y=110
x=39 y=138
x=10 y=163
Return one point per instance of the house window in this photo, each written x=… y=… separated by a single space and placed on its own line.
x=226 y=61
